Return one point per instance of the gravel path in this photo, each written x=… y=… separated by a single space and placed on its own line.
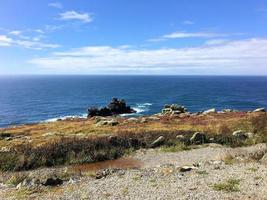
x=160 y=178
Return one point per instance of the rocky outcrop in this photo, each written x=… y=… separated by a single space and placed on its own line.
x=115 y=107
x=173 y=109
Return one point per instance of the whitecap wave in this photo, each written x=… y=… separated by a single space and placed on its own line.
x=139 y=108
x=83 y=116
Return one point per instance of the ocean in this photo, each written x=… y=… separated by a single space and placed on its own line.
x=31 y=99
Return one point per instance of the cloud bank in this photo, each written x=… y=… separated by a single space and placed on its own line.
x=249 y=56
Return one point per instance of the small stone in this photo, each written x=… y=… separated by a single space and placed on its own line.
x=187 y=168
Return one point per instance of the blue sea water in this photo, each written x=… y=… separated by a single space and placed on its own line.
x=30 y=99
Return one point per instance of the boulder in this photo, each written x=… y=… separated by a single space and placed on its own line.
x=110 y=122
x=115 y=107
x=158 y=142
x=259 y=110
x=166 y=111
x=180 y=137
x=173 y=109
x=212 y=110
x=240 y=134
x=132 y=119
x=198 y=138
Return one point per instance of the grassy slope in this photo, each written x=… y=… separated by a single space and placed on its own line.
x=78 y=141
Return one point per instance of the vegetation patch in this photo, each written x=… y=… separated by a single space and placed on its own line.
x=177 y=146
x=80 y=141
x=231 y=185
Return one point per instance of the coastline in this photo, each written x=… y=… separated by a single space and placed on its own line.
x=39 y=158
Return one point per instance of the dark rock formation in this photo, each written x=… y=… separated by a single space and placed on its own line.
x=115 y=107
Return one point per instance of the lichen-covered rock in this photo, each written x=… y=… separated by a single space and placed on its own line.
x=240 y=134
x=158 y=142
x=173 y=109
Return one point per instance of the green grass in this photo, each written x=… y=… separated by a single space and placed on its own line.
x=178 y=146
x=231 y=185
x=16 y=179
x=202 y=172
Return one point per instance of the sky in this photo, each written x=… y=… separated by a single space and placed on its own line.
x=153 y=37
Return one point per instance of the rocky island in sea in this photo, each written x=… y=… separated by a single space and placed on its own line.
x=115 y=107
x=112 y=156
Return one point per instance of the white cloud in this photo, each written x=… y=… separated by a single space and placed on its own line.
x=73 y=15
x=30 y=44
x=15 y=32
x=39 y=31
x=216 y=41
x=5 y=41
x=56 y=5
x=243 y=56
x=183 y=34
x=188 y=22
x=192 y=35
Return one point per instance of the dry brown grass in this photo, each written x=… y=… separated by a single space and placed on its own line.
x=79 y=140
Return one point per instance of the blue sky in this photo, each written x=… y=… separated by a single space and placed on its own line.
x=183 y=37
